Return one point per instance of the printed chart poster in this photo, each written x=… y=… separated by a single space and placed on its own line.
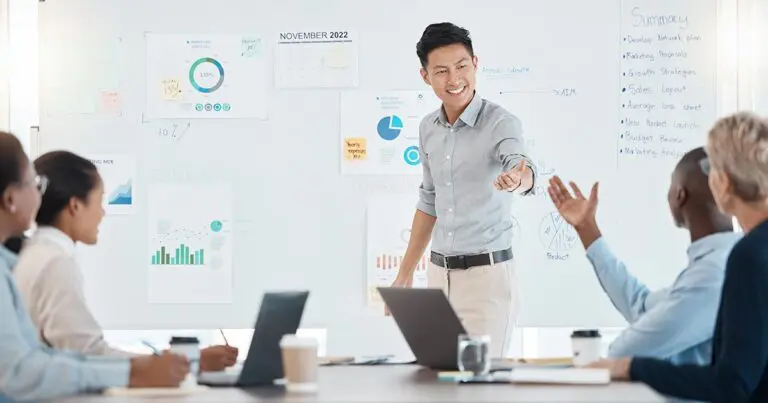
x=380 y=131
x=118 y=172
x=190 y=244
x=389 y=228
x=206 y=76
x=317 y=59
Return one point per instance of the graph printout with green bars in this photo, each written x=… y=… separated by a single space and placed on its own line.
x=179 y=256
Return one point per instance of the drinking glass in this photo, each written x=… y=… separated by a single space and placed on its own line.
x=474 y=354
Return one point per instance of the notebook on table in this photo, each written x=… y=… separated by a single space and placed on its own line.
x=572 y=376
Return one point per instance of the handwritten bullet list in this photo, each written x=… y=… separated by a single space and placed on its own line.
x=667 y=90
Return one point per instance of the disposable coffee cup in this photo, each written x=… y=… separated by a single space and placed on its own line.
x=299 y=363
x=586 y=345
x=188 y=347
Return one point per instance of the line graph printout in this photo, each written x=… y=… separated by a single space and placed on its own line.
x=206 y=76
x=389 y=229
x=190 y=244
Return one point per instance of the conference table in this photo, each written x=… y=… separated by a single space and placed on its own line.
x=402 y=383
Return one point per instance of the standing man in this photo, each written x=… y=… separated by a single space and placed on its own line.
x=474 y=161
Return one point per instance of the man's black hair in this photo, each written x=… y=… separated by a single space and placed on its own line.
x=439 y=35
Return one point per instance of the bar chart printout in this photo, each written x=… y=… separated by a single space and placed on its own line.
x=389 y=220
x=180 y=257
x=190 y=244
x=393 y=262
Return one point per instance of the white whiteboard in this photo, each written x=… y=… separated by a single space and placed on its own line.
x=757 y=54
x=297 y=222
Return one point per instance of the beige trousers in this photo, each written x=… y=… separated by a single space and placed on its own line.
x=484 y=297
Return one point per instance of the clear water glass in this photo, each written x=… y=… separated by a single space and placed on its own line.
x=474 y=354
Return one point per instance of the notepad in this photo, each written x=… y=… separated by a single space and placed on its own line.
x=551 y=361
x=366 y=360
x=453 y=376
x=545 y=375
x=155 y=392
x=579 y=376
x=335 y=360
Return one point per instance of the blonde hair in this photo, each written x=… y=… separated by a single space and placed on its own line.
x=738 y=146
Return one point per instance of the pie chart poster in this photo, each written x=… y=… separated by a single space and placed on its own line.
x=380 y=131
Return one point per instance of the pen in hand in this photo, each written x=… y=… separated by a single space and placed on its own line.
x=155 y=351
x=224 y=337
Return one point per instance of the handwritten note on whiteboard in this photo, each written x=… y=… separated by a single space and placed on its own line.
x=171 y=89
x=668 y=69
x=355 y=149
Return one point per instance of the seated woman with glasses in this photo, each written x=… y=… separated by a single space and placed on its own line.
x=15 y=243
x=48 y=274
x=30 y=370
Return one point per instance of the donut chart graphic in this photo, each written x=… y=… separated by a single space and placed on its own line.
x=411 y=156
x=201 y=63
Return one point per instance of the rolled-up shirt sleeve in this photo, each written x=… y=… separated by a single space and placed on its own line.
x=426 y=202
x=29 y=371
x=509 y=147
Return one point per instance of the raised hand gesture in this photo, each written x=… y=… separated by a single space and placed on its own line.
x=575 y=209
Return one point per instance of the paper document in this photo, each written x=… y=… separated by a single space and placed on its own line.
x=155 y=392
x=118 y=171
x=380 y=131
x=316 y=59
x=389 y=228
x=201 y=76
x=587 y=376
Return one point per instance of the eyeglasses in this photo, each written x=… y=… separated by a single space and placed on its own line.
x=41 y=182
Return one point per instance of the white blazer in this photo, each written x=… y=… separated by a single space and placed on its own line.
x=51 y=284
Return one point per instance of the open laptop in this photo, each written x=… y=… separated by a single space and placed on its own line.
x=280 y=314
x=429 y=325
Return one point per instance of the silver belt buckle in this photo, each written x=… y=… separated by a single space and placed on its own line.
x=445 y=262
x=490 y=257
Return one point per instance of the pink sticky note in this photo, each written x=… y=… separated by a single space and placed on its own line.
x=110 y=102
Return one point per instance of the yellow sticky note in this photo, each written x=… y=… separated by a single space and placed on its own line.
x=355 y=149
x=171 y=88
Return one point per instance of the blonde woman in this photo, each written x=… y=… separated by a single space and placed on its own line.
x=738 y=176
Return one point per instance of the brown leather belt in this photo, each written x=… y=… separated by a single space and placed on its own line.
x=463 y=262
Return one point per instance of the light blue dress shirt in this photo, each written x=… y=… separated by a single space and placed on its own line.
x=460 y=163
x=674 y=323
x=31 y=371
